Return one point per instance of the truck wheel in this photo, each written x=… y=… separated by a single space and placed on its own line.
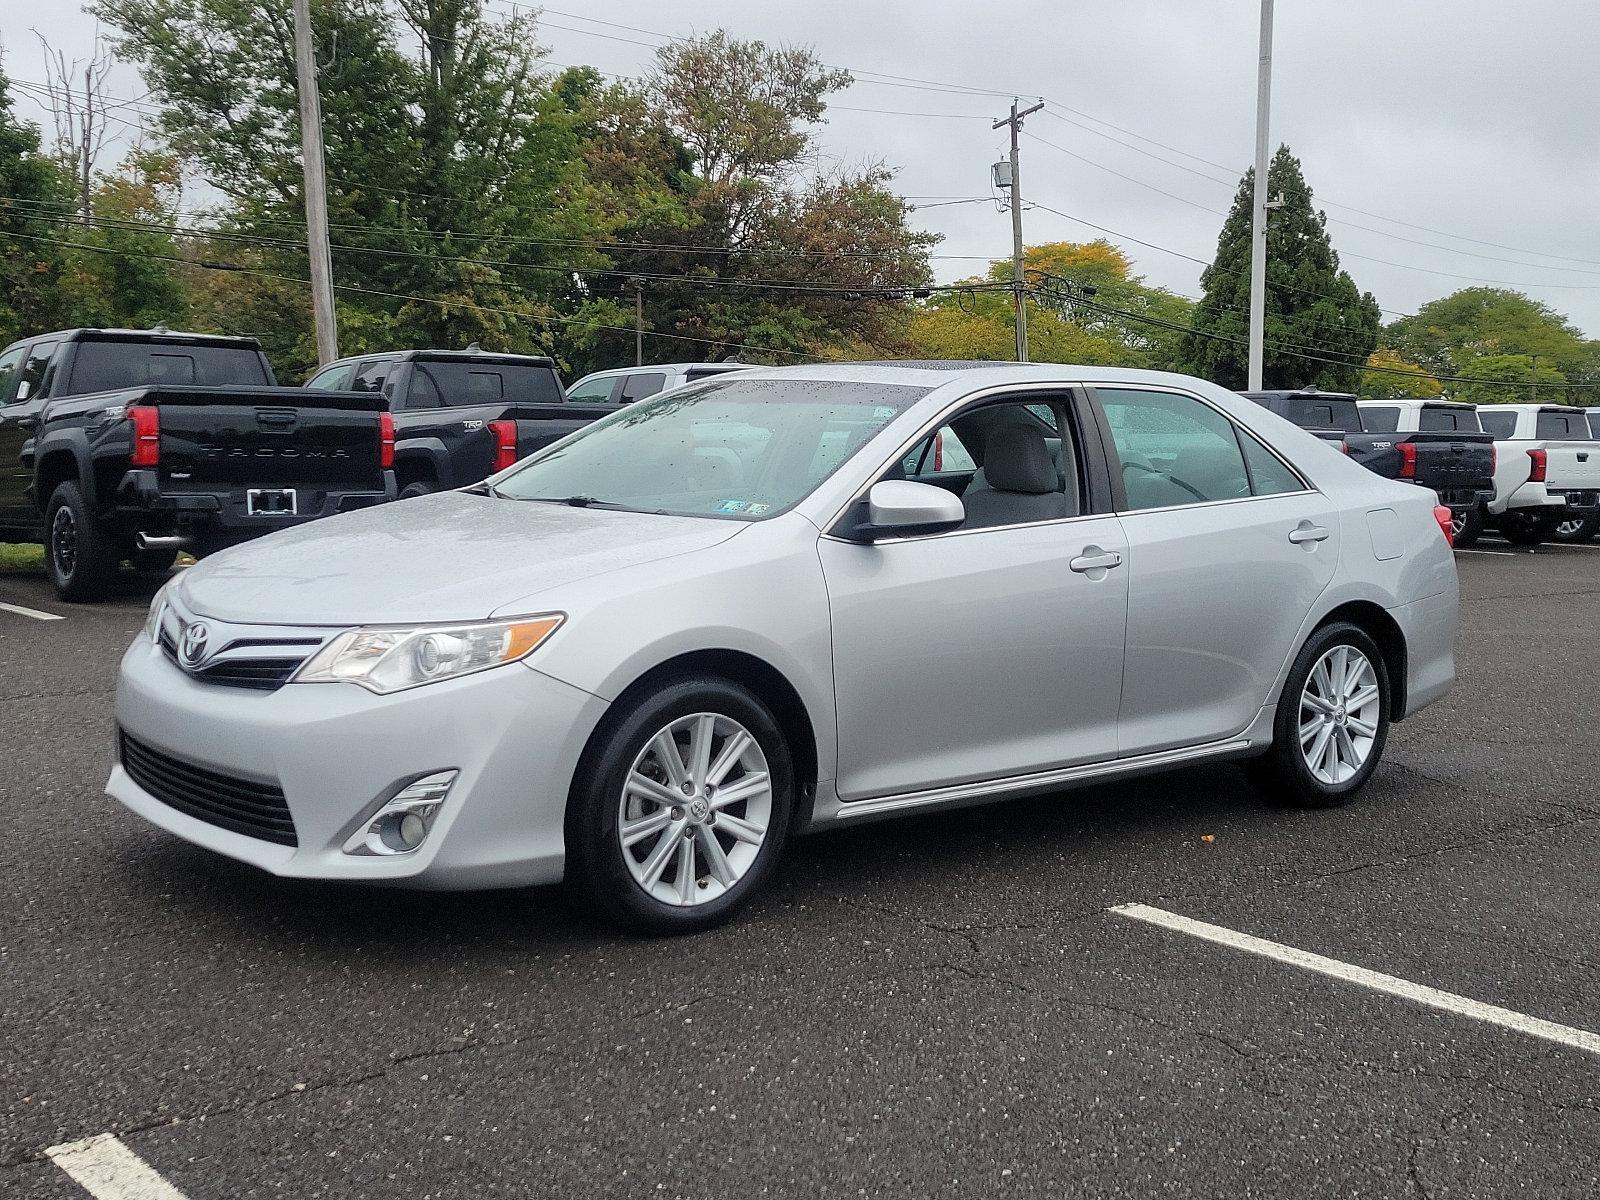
x=1578 y=529
x=78 y=555
x=1467 y=525
x=412 y=490
x=1522 y=528
x=152 y=562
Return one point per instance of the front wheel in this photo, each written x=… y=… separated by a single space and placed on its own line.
x=79 y=558
x=1332 y=721
x=1577 y=529
x=680 y=808
x=1523 y=528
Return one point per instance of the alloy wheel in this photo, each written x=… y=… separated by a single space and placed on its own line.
x=1569 y=527
x=1458 y=523
x=694 y=809
x=64 y=542
x=1340 y=707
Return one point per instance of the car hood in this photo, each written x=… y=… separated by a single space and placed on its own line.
x=454 y=556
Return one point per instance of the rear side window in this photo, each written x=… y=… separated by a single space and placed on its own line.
x=334 y=379
x=1501 y=424
x=1448 y=420
x=105 y=366
x=1173 y=449
x=1380 y=420
x=593 y=390
x=638 y=386
x=1561 y=425
x=1268 y=474
x=371 y=376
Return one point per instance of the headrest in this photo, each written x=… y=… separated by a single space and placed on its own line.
x=1017 y=460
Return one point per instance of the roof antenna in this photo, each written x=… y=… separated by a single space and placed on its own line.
x=474 y=348
x=160 y=327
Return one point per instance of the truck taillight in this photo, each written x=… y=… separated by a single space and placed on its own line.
x=385 y=440
x=1408 y=460
x=1446 y=521
x=505 y=443
x=1494 y=458
x=1344 y=447
x=1540 y=461
x=146 y=435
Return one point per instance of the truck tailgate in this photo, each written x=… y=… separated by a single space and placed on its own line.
x=268 y=438
x=1572 y=466
x=1444 y=461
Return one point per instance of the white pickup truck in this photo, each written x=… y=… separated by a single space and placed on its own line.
x=1547 y=472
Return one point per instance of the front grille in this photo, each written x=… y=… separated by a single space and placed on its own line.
x=226 y=801
x=265 y=672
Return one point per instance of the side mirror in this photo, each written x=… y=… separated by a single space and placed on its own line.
x=23 y=389
x=900 y=508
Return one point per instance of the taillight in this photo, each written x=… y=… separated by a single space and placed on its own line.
x=938 y=451
x=1344 y=447
x=1447 y=524
x=1540 y=461
x=1408 y=461
x=1494 y=458
x=505 y=443
x=385 y=440
x=146 y=435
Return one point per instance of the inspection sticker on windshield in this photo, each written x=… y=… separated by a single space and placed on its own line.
x=733 y=506
x=883 y=412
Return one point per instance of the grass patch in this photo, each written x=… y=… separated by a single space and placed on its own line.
x=16 y=558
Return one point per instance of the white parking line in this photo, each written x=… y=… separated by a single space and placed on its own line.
x=108 y=1170
x=1579 y=1039
x=1498 y=553
x=31 y=612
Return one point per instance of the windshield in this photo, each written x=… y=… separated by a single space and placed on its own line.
x=734 y=447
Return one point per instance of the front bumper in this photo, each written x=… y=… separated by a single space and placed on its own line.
x=337 y=751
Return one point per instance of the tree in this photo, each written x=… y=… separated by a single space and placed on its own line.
x=1390 y=376
x=1500 y=334
x=33 y=197
x=1314 y=311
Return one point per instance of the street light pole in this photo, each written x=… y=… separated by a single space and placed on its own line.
x=315 y=187
x=1258 y=212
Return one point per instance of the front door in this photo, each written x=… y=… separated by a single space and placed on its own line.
x=991 y=651
x=17 y=518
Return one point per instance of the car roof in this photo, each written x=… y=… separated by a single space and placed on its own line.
x=670 y=369
x=1424 y=401
x=1297 y=393
x=173 y=336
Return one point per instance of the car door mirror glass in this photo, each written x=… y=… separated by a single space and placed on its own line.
x=23 y=389
x=901 y=508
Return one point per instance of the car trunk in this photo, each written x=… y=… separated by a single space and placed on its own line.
x=228 y=439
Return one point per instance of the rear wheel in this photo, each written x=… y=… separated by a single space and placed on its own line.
x=78 y=555
x=1523 y=528
x=417 y=488
x=1332 y=721
x=1577 y=529
x=680 y=808
x=1466 y=525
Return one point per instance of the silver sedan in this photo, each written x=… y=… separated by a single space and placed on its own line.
x=783 y=600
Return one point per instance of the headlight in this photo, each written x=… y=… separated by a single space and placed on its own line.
x=152 y=619
x=391 y=660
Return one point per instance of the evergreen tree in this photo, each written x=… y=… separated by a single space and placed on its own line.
x=1312 y=307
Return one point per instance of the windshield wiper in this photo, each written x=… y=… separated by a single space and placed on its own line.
x=581 y=502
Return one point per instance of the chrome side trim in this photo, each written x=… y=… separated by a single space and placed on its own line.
x=1038 y=782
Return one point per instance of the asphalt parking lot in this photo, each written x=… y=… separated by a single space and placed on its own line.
x=940 y=1006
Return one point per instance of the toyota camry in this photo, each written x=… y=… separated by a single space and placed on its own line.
x=783 y=600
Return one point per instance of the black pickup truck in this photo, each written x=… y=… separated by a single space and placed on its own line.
x=1436 y=444
x=131 y=445
x=462 y=415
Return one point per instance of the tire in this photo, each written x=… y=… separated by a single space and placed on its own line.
x=79 y=558
x=419 y=488
x=1522 y=528
x=152 y=562
x=1577 y=529
x=1468 y=525
x=1285 y=773
x=612 y=879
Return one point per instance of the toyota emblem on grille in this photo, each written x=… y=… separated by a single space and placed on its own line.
x=196 y=639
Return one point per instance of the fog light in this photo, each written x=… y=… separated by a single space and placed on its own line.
x=404 y=822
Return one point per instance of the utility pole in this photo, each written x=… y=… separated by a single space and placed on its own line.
x=1018 y=281
x=1533 y=379
x=1258 y=213
x=316 y=187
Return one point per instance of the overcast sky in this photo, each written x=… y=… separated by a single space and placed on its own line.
x=1466 y=132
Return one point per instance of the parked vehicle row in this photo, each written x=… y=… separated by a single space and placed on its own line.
x=766 y=603
x=1530 y=471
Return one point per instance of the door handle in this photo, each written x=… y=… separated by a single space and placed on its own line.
x=1308 y=533
x=1099 y=560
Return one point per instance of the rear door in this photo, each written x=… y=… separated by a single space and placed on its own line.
x=1228 y=550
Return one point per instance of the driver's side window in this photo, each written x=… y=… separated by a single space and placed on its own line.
x=1173 y=449
x=9 y=362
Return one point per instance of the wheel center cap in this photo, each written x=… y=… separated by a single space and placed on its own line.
x=1340 y=715
x=699 y=808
